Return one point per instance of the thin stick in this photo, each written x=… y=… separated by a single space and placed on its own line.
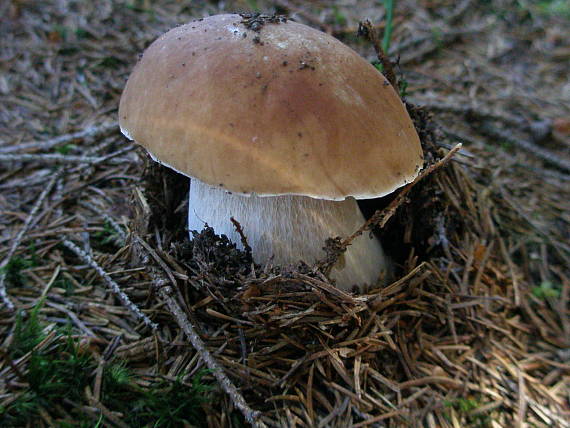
x=54 y=158
x=459 y=11
x=381 y=217
x=366 y=29
x=241 y=234
x=424 y=45
x=16 y=242
x=479 y=112
x=482 y=114
x=89 y=133
x=166 y=292
x=125 y=300
x=554 y=175
x=112 y=222
x=18 y=239
x=530 y=147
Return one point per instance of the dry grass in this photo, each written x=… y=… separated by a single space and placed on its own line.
x=475 y=330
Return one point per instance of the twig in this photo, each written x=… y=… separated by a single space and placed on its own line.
x=430 y=43
x=112 y=222
x=472 y=111
x=241 y=234
x=125 y=300
x=365 y=29
x=526 y=145
x=3 y=294
x=73 y=317
x=251 y=416
x=55 y=178
x=54 y=158
x=381 y=217
x=457 y=135
x=16 y=241
x=89 y=133
x=457 y=13
x=156 y=258
x=336 y=411
x=484 y=114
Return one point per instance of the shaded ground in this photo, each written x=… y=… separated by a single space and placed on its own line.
x=474 y=333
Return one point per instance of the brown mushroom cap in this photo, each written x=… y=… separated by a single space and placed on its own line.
x=285 y=109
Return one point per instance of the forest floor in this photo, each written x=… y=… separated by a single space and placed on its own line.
x=104 y=302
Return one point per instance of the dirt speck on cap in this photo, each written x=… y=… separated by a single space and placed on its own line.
x=256 y=21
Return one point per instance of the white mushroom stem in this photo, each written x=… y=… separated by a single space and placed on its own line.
x=291 y=228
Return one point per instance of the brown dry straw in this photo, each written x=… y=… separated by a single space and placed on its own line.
x=474 y=329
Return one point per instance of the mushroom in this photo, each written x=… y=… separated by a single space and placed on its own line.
x=281 y=127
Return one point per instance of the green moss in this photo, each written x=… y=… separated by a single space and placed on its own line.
x=165 y=404
x=61 y=30
x=65 y=149
x=464 y=407
x=403 y=87
x=546 y=289
x=13 y=269
x=253 y=5
x=53 y=375
x=558 y=8
x=106 y=239
x=111 y=62
x=65 y=284
x=60 y=373
x=339 y=18
x=27 y=332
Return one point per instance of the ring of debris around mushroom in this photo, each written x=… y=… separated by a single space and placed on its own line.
x=292 y=341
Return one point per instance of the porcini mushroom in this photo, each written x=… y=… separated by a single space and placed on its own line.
x=278 y=125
